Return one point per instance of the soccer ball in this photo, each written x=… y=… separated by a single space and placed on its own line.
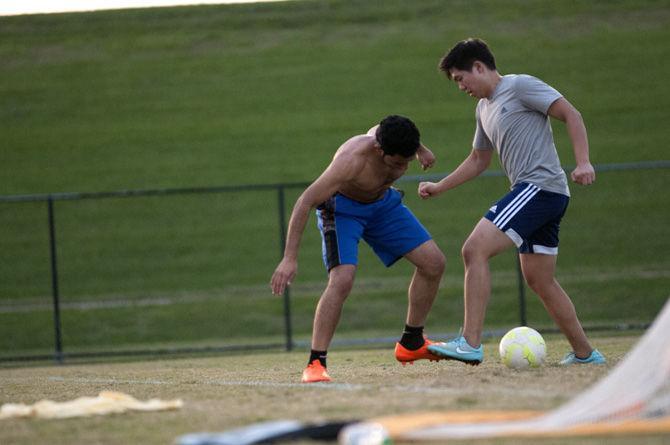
x=522 y=348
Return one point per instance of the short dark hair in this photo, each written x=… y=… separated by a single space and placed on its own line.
x=398 y=135
x=465 y=53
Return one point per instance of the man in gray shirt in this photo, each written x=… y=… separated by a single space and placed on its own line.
x=513 y=119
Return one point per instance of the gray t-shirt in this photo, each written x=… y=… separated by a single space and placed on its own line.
x=514 y=121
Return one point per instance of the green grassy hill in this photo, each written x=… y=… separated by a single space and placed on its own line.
x=265 y=93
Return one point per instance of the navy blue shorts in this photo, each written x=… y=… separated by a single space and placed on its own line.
x=387 y=225
x=531 y=217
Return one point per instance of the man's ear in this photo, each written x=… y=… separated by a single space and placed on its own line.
x=478 y=67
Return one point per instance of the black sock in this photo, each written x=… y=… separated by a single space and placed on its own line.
x=318 y=355
x=412 y=337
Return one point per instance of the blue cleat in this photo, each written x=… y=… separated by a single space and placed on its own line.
x=596 y=358
x=458 y=349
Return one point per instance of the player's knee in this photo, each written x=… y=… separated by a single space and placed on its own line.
x=340 y=285
x=470 y=252
x=434 y=265
x=538 y=283
x=533 y=283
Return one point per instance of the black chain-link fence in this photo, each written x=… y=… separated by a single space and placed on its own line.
x=187 y=270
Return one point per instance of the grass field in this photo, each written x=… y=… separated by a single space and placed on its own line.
x=236 y=390
x=225 y=95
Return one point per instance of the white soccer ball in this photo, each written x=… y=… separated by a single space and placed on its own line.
x=522 y=348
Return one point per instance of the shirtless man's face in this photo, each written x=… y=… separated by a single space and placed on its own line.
x=397 y=162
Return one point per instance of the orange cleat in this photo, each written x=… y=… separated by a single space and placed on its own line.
x=404 y=355
x=315 y=372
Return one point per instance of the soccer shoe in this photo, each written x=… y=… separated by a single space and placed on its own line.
x=458 y=349
x=596 y=358
x=404 y=355
x=315 y=372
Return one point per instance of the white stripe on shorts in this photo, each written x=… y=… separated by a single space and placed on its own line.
x=517 y=204
x=545 y=250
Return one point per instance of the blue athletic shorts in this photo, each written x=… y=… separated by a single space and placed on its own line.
x=531 y=217
x=389 y=227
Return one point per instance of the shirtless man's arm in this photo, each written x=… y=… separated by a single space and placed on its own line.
x=343 y=168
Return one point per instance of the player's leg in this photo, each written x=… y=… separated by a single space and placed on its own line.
x=539 y=251
x=501 y=228
x=340 y=236
x=485 y=241
x=329 y=308
x=430 y=262
x=341 y=231
x=326 y=318
x=539 y=272
x=393 y=233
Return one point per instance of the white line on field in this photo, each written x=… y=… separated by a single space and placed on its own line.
x=543 y=393
x=335 y=386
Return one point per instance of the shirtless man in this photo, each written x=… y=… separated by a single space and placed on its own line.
x=354 y=200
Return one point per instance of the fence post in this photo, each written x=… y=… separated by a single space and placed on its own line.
x=522 y=291
x=282 y=244
x=54 y=281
